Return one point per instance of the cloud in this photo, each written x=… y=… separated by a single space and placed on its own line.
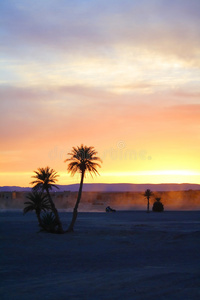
x=160 y=27
x=99 y=72
x=187 y=94
x=125 y=48
x=73 y=114
x=39 y=126
x=189 y=114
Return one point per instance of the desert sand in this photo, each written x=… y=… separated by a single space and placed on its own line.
x=122 y=255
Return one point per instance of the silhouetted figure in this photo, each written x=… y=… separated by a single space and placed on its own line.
x=109 y=209
x=158 y=206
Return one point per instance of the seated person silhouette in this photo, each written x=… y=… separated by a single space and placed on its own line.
x=109 y=209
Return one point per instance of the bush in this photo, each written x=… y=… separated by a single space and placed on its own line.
x=49 y=222
x=158 y=206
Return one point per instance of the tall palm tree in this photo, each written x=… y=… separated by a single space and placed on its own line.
x=83 y=159
x=45 y=181
x=148 y=193
x=38 y=202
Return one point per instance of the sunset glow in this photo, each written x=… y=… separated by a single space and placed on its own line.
x=122 y=76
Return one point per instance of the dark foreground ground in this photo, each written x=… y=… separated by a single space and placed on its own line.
x=122 y=255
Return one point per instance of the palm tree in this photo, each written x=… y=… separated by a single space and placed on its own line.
x=45 y=181
x=83 y=159
x=148 y=193
x=38 y=202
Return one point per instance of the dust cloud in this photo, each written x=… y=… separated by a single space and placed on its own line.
x=98 y=201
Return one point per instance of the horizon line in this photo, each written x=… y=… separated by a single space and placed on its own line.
x=114 y=183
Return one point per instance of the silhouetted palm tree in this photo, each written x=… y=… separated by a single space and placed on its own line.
x=38 y=202
x=148 y=193
x=49 y=222
x=45 y=181
x=83 y=159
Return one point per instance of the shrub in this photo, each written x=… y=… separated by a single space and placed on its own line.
x=49 y=222
x=158 y=206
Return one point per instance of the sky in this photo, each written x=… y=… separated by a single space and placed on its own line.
x=120 y=75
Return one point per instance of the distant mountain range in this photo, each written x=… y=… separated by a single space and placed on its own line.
x=113 y=187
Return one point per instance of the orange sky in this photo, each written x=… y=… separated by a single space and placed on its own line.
x=102 y=76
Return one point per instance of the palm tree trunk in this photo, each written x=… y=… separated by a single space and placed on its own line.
x=60 y=229
x=148 y=204
x=75 y=211
x=39 y=218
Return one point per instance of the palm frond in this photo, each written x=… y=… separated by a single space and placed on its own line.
x=49 y=222
x=27 y=208
x=148 y=193
x=44 y=178
x=37 y=201
x=83 y=159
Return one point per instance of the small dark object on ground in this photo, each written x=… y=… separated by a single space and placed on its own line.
x=109 y=209
x=158 y=206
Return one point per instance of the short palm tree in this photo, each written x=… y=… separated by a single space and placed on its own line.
x=83 y=159
x=49 y=222
x=38 y=202
x=45 y=179
x=148 y=193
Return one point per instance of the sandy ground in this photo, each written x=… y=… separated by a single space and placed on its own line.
x=122 y=255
